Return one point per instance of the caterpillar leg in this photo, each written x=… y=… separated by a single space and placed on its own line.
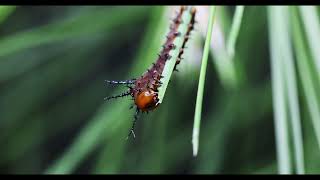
x=117 y=96
x=131 y=81
x=133 y=125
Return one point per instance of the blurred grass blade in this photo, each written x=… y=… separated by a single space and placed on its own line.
x=204 y=62
x=278 y=90
x=288 y=67
x=236 y=24
x=89 y=138
x=223 y=62
x=108 y=120
x=169 y=66
x=305 y=74
x=312 y=29
x=73 y=27
x=5 y=11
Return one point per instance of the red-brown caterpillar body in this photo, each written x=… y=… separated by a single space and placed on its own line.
x=144 y=89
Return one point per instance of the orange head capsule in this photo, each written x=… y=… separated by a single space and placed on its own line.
x=146 y=100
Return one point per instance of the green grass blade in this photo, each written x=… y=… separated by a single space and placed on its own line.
x=236 y=23
x=312 y=29
x=278 y=91
x=169 y=66
x=5 y=11
x=74 y=27
x=305 y=74
x=89 y=138
x=224 y=63
x=204 y=62
x=291 y=89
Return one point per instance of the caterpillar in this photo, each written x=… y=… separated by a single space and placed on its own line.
x=144 y=90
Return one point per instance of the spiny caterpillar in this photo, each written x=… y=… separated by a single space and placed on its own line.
x=144 y=89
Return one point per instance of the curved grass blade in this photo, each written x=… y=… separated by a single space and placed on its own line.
x=204 y=62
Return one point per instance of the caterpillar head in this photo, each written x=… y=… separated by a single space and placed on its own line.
x=146 y=100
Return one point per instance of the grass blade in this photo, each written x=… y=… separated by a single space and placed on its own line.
x=223 y=63
x=67 y=29
x=305 y=74
x=5 y=11
x=236 y=23
x=169 y=66
x=291 y=89
x=312 y=28
x=278 y=91
x=204 y=62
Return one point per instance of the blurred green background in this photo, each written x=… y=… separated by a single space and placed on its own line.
x=53 y=119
